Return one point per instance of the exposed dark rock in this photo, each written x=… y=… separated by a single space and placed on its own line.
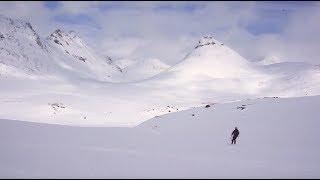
x=109 y=60
x=119 y=69
x=205 y=41
x=206 y=44
x=271 y=97
x=58 y=32
x=82 y=59
x=57 y=106
x=242 y=107
x=38 y=40
x=57 y=42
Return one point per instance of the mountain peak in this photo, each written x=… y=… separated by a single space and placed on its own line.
x=63 y=38
x=58 y=33
x=207 y=41
x=10 y=28
x=73 y=34
x=7 y=20
x=21 y=46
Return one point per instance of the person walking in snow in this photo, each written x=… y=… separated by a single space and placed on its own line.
x=235 y=133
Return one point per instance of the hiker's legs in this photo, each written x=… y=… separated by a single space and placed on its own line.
x=233 y=140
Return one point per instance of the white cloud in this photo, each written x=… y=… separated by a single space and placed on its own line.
x=168 y=30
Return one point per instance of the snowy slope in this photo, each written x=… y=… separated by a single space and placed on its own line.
x=22 y=50
x=81 y=56
x=269 y=60
x=134 y=70
x=60 y=80
x=278 y=139
x=62 y=54
x=214 y=67
x=212 y=59
x=21 y=47
x=73 y=85
x=211 y=73
x=292 y=79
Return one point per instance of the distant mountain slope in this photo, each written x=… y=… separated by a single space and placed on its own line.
x=80 y=57
x=290 y=79
x=134 y=70
x=24 y=50
x=212 y=59
x=72 y=84
x=211 y=69
x=21 y=47
x=269 y=60
x=64 y=54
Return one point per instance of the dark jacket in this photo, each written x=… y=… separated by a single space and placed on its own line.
x=235 y=133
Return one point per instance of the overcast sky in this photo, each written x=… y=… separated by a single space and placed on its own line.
x=169 y=30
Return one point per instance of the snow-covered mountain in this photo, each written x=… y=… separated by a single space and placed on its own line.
x=23 y=50
x=214 y=67
x=212 y=70
x=212 y=59
x=94 y=90
x=181 y=116
x=65 y=54
x=80 y=57
x=21 y=47
x=291 y=79
x=134 y=70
